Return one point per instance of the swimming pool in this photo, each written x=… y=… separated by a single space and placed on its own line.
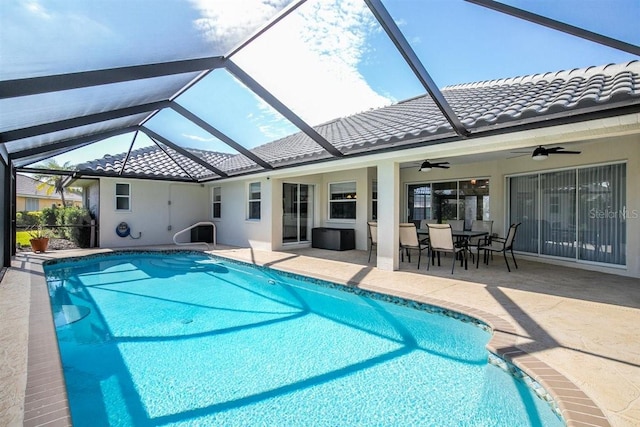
x=189 y=339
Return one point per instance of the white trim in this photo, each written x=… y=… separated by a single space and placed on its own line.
x=127 y=196
x=354 y=201
x=213 y=203
x=250 y=200
x=576 y=258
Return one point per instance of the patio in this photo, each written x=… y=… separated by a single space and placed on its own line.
x=576 y=325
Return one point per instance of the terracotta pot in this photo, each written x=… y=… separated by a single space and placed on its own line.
x=40 y=244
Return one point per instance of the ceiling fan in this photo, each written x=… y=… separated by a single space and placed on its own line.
x=541 y=153
x=427 y=165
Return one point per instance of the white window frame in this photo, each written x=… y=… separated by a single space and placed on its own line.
x=256 y=200
x=374 y=200
x=123 y=196
x=353 y=200
x=215 y=202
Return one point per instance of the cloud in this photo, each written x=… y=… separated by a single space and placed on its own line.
x=310 y=60
x=198 y=138
x=37 y=9
x=225 y=23
x=37 y=39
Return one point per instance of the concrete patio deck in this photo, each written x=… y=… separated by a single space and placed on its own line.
x=572 y=330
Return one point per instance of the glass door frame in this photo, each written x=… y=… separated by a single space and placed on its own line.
x=297 y=212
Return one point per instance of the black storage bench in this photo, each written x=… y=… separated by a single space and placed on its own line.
x=202 y=233
x=336 y=239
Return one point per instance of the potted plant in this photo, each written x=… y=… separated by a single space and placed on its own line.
x=39 y=238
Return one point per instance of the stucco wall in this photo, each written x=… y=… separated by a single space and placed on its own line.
x=21 y=203
x=234 y=227
x=151 y=213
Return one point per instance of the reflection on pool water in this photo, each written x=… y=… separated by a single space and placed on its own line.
x=184 y=338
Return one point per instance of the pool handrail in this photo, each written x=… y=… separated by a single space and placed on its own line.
x=193 y=226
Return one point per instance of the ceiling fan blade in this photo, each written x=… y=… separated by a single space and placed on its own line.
x=553 y=149
x=560 y=150
x=439 y=164
x=427 y=165
x=566 y=152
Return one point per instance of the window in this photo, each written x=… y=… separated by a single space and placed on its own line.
x=254 y=200
x=123 y=197
x=445 y=201
x=342 y=200
x=31 y=205
x=374 y=201
x=575 y=213
x=217 y=202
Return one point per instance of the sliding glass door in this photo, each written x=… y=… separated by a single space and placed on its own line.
x=574 y=213
x=444 y=201
x=297 y=212
x=419 y=202
x=602 y=224
x=558 y=213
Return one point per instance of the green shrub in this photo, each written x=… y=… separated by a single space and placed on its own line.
x=53 y=215
x=81 y=236
x=29 y=219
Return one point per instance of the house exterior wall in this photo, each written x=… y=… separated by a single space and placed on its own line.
x=151 y=214
x=234 y=228
x=158 y=211
x=21 y=202
x=360 y=176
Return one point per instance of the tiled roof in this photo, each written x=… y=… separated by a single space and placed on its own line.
x=477 y=105
x=156 y=162
x=30 y=187
x=495 y=103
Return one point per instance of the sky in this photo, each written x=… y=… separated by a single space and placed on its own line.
x=327 y=59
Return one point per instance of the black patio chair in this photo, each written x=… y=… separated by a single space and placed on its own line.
x=499 y=244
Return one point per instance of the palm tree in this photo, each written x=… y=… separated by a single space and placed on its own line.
x=53 y=183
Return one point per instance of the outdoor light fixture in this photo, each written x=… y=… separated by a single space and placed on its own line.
x=426 y=167
x=540 y=153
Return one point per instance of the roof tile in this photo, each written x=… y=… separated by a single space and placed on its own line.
x=479 y=104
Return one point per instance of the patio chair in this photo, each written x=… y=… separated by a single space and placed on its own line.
x=499 y=244
x=424 y=222
x=441 y=240
x=456 y=224
x=409 y=240
x=423 y=226
x=373 y=236
x=474 y=242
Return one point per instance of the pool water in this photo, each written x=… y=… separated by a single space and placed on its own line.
x=185 y=339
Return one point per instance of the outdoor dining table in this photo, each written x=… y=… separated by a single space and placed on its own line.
x=459 y=235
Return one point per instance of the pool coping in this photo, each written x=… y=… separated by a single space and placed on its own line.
x=46 y=399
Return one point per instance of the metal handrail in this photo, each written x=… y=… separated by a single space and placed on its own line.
x=193 y=226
